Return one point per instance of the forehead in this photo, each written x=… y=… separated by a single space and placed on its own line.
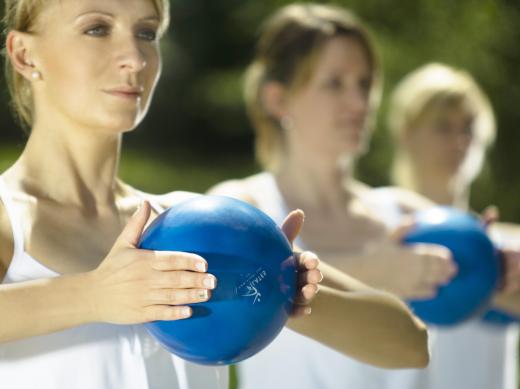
x=456 y=113
x=70 y=9
x=343 y=53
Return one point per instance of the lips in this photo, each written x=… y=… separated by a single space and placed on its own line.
x=125 y=92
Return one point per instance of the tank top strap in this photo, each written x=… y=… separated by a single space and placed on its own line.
x=264 y=190
x=14 y=218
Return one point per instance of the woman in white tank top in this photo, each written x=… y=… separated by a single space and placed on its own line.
x=310 y=93
x=81 y=73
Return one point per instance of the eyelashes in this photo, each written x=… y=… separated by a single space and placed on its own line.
x=100 y=30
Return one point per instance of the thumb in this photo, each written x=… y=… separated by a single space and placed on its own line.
x=398 y=234
x=134 y=228
x=489 y=215
x=292 y=224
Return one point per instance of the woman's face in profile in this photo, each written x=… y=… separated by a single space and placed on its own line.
x=331 y=110
x=441 y=140
x=99 y=61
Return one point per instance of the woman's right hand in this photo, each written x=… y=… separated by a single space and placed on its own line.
x=132 y=285
x=412 y=271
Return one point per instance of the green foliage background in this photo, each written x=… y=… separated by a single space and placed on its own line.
x=197 y=133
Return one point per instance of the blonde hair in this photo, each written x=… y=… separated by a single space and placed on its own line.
x=21 y=15
x=287 y=51
x=434 y=87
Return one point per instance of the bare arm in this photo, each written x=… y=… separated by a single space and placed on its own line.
x=43 y=306
x=129 y=286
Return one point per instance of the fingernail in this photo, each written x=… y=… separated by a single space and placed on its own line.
x=307 y=310
x=201 y=266
x=209 y=282
x=185 y=311
x=204 y=294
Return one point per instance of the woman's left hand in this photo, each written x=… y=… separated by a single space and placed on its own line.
x=309 y=276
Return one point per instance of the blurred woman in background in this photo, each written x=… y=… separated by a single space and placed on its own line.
x=443 y=124
x=311 y=93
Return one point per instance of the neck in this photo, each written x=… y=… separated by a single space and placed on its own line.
x=314 y=182
x=77 y=168
x=445 y=191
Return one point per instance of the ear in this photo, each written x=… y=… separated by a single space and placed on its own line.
x=19 y=49
x=274 y=97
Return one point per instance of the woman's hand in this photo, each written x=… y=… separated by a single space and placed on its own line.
x=412 y=271
x=134 y=286
x=308 y=274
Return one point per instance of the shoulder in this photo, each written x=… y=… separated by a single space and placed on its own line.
x=170 y=199
x=407 y=201
x=241 y=189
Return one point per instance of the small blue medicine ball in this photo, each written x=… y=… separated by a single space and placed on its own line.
x=469 y=292
x=256 y=278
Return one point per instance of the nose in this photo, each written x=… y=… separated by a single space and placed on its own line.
x=130 y=57
x=356 y=102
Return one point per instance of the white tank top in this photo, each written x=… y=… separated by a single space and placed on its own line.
x=469 y=356
x=90 y=356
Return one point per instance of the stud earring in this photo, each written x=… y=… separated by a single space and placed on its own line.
x=36 y=75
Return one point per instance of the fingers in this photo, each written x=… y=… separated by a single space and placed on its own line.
x=301 y=310
x=424 y=292
x=133 y=230
x=437 y=263
x=166 y=312
x=313 y=276
x=307 y=260
x=178 y=296
x=184 y=280
x=292 y=224
x=490 y=215
x=177 y=260
x=398 y=234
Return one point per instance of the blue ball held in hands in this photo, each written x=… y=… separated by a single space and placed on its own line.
x=256 y=278
x=468 y=293
x=499 y=318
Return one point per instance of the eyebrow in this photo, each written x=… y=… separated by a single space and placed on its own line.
x=151 y=17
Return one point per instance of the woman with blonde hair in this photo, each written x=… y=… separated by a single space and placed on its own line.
x=443 y=124
x=74 y=284
x=311 y=92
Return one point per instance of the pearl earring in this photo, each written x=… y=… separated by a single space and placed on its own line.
x=36 y=75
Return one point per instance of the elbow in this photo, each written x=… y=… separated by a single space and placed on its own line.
x=414 y=353
x=420 y=356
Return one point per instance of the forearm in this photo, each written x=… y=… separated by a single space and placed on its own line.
x=361 y=270
x=373 y=327
x=44 y=306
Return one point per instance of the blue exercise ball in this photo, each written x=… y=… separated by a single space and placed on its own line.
x=256 y=278
x=497 y=317
x=470 y=291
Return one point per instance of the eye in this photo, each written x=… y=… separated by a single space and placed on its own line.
x=97 y=30
x=334 y=84
x=365 y=85
x=147 y=34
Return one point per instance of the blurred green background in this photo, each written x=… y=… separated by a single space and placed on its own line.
x=197 y=133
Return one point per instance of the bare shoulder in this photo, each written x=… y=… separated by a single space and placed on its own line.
x=170 y=199
x=408 y=200
x=6 y=241
x=238 y=188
